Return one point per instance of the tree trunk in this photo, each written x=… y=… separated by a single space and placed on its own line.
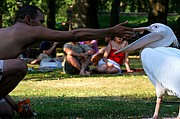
x=51 y=14
x=92 y=18
x=84 y=14
x=114 y=16
x=0 y=20
x=158 y=11
x=133 y=7
x=1 y=12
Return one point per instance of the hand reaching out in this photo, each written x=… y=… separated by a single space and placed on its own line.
x=122 y=31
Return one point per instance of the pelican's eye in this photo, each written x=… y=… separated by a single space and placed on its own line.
x=156 y=26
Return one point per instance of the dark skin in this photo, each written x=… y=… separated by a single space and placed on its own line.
x=17 y=37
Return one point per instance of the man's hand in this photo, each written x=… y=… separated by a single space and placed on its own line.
x=122 y=31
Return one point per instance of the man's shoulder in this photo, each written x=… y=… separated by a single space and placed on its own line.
x=22 y=29
x=21 y=25
x=25 y=28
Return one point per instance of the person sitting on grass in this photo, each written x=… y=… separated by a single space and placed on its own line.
x=110 y=63
x=47 y=50
x=91 y=43
x=99 y=54
x=77 y=58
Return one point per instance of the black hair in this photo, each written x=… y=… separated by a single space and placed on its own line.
x=27 y=10
x=112 y=37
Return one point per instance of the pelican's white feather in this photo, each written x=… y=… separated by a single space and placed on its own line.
x=162 y=67
x=160 y=62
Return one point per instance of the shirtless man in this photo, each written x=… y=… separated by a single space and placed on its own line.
x=29 y=28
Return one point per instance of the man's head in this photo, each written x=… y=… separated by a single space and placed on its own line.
x=30 y=15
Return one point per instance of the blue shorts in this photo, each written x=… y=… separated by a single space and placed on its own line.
x=1 y=68
x=1 y=71
x=69 y=69
x=2 y=100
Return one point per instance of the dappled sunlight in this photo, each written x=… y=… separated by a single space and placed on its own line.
x=57 y=95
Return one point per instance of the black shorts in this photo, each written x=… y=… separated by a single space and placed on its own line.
x=69 y=69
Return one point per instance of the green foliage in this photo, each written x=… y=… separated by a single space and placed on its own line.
x=9 y=9
x=133 y=20
x=62 y=7
x=174 y=6
x=104 y=5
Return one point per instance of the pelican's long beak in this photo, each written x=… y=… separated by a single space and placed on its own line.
x=143 y=41
x=141 y=28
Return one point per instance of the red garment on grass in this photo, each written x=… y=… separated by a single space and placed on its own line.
x=116 y=57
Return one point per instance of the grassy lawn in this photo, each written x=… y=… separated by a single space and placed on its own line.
x=56 y=95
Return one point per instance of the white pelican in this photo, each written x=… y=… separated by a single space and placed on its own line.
x=160 y=62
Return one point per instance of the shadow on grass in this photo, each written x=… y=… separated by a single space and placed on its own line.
x=58 y=74
x=113 y=107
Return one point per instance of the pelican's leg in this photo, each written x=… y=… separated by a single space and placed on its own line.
x=158 y=102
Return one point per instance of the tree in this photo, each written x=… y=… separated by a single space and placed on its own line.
x=1 y=11
x=158 y=11
x=84 y=14
x=174 y=6
x=114 y=16
x=51 y=14
x=133 y=6
x=104 y=5
x=142 y=5
x=92 y=18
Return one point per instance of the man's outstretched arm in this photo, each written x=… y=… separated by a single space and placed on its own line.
x=42 y=33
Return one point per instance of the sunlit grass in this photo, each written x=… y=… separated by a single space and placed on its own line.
x=56 y=95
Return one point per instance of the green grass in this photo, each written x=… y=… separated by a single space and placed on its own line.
x=133 y=21
x=56 y=95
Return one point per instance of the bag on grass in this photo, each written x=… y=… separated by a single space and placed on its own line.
x=24 y=109
x=50 y=63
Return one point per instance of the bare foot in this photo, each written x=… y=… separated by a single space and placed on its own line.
x=82 y=73
x=87 y=73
